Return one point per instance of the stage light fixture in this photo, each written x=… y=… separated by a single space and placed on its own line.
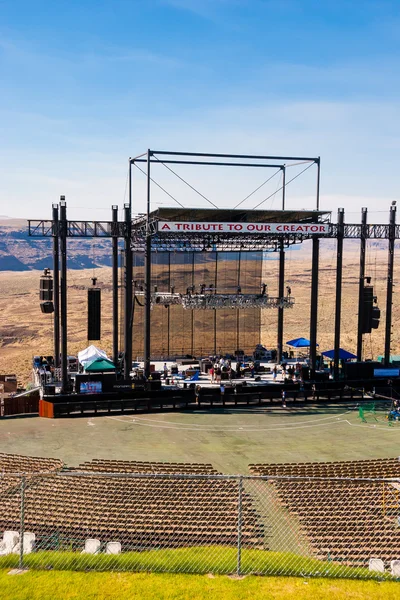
x=214 y=301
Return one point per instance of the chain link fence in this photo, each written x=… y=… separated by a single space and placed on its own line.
x=196 y=523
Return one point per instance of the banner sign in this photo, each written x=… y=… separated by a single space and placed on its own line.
x=215 y=227
x=386 y=372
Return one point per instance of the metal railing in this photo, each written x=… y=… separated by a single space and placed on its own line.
x=200 y=523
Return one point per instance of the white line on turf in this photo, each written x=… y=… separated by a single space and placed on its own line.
x=371 y=426
x=239 y=430
x=136 y=419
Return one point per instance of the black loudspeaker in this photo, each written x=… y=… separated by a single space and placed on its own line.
x=368 y=301
x=376 y=315
x=94 y=313
x=47 y=307
x=46 y=287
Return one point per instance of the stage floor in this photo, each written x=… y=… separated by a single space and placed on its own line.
x=205 y=378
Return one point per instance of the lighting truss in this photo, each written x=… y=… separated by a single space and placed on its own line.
x=166 y=298
x=218 y=301
x=242 y=301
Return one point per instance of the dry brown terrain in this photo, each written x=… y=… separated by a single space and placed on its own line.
x=25 y=331
x=298 y=275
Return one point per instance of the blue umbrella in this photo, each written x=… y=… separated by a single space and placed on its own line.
x=343 y=354
x=299 y=343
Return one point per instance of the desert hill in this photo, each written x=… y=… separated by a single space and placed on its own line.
x=20 y=252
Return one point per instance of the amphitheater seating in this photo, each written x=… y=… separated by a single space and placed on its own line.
x=377 y=565
x=12 y=466
x=113 y=548
x=395 y=568
x=125 y=466
x=387 y=467
x=28 y=541
x=343 y=510
x=92 y=547
x=14 y=463
x=10 y=539
x=64 y=509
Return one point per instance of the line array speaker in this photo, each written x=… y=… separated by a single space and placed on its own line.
x=47 y=307
x=46 y=287
x=94 y=313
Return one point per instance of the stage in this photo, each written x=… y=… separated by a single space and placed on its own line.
x=193 y=284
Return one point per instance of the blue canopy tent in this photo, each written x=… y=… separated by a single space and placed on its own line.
x=299 y=343
x=343 y=354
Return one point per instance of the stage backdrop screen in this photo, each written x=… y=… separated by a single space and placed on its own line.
x=179 y=332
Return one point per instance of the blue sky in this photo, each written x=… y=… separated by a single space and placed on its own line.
x=86 y=84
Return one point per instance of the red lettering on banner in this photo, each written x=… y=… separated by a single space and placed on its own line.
x=187 y=227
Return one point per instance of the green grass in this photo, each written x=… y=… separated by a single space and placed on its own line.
x=200 y=560
x=56 y=585
x=230 y=440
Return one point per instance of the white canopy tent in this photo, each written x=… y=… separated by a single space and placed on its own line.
x=90 y=353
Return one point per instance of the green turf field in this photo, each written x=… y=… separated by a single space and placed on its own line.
x=229 y=439
x=65 y=585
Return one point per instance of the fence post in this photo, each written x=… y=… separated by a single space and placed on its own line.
x=239 y=527
x=22 y=524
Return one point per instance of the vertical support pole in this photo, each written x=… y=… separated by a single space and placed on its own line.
x=56 y=278
x=115 y=281
x=122 y=299
x=361 y=283
x=169 y=306
x=215 y=312
x=389 y=289
x=314 y=284
x=22 y=523
x=314 y=305
x=147 y=279
x=238 y=310
x=318 y=181
x=239 y=527
x=128 y=297
x=281 y=281
x=338 y=300
x=63 y=251
x=192 y=313
x=281 y=284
